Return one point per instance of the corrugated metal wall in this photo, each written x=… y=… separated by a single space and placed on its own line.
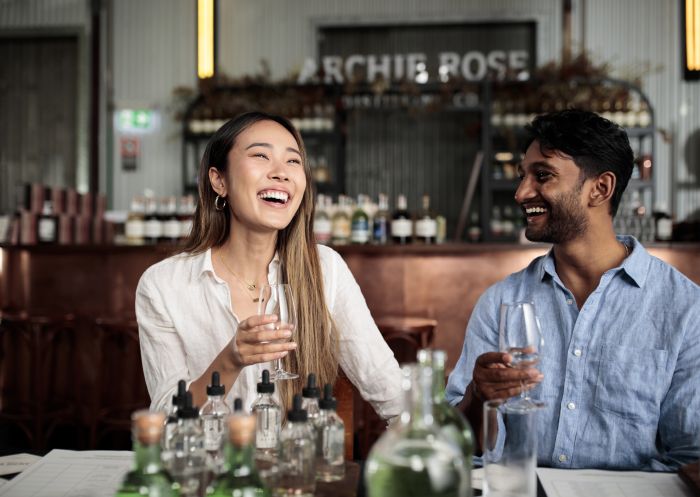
x=154 y=52
x=43 y=13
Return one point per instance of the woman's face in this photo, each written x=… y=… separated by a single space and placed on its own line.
x=266 y=179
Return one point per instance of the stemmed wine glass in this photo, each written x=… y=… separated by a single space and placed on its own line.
x=519 y=335
x=278 y=299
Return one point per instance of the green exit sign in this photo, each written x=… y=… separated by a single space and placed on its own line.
x=136 y=120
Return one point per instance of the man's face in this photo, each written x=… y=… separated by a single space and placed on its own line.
x=551 y=196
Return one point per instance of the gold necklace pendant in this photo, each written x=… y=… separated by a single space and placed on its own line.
x=252 y=286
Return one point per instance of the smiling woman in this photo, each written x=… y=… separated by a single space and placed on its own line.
x=197 y=311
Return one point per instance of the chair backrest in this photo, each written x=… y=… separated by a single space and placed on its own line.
x=344 y=393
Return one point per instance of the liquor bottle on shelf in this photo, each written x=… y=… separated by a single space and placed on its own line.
x=213 y=414
x=474 y=230
x=664 y=222
x=240 y=476
x=297 y=458
x=496 y=222
x=148 y=478
x=426 y=225
x=359 y=227
x=171 y=224
x=322 y=221
x=186 y=215
x=380 y=230
x=153 y=227
x=413 y=457
x=508 y=224
x=188 y=464
x=340 y=233
x=330 y=439
x=310 y=393
x=47 y=224
x=135 y=228
x=451 y=423
x=268 y=418
x=401 y=224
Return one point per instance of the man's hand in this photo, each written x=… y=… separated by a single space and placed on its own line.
x=261 y=339
x=493 y=378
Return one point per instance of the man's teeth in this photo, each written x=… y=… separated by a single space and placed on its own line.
x=535 y=210
x=281 y=196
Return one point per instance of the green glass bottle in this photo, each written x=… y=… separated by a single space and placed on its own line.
x=450 y=421
x=414 y=458
x=148 y=478
x=240 y=477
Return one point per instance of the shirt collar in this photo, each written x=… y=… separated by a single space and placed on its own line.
x=203 y=264
x=635 y=266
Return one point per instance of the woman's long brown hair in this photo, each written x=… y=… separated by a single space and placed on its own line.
x=317 y=350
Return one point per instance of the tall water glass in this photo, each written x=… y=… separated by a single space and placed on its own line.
x=278 y=299
x=510 y=450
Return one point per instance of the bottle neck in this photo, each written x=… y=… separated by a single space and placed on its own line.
x=438 y=383
x=418 y=408
x=147 y=457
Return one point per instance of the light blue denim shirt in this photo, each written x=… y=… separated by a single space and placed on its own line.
x=621 y=375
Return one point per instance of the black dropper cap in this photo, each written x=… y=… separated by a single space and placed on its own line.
x=265 y=386
x=187 y=410
x=216 y=388
x=311 y=390
x=237 y=405
x=179 y=397
x=296 y=414
x=328 y=402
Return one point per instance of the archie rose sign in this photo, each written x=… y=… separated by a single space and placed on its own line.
x=473 y=65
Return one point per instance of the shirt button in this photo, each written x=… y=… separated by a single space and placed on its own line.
x=577 y=352
x=562 y=458
x=571 y=406
x=569 y=301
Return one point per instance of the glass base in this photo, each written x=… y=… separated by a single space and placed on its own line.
x=281 y=374
x=523 y=404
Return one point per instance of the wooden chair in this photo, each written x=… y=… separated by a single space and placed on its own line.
x=344 y=392
x=40 y=378
x=120 y=387
x=405 y=336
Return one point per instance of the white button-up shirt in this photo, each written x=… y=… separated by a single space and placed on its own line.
x=185 y=319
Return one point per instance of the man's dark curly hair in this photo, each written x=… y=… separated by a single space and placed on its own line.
x=595 y=144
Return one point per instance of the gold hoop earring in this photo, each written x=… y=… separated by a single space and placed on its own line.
x=217 y=206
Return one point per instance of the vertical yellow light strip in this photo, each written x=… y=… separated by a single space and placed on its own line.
x=696 y=35
x=689 y=46
x=205 y=38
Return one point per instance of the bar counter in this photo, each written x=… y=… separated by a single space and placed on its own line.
x=441 y=282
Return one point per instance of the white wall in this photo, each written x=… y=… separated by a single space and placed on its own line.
x=153 y=52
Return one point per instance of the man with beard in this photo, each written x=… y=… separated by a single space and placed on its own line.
x=619 y=370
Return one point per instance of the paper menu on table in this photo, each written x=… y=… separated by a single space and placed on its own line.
x=16 y=463
x=586 y=482
x=68 y=473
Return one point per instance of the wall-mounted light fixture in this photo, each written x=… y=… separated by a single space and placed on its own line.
x=206 y=44
x=691 y=40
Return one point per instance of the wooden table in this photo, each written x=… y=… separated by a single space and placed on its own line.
x=347 y=487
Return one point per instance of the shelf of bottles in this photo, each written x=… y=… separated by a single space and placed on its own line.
x=363 y=221
x=312 y=109
x=513 y=105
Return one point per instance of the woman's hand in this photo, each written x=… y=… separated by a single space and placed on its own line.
x=261 y=339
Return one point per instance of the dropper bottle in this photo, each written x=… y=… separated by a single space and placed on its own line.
x=330 y=439
x=311 y=393
x=297 y=454
x=268 y=419
x=213 y=415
